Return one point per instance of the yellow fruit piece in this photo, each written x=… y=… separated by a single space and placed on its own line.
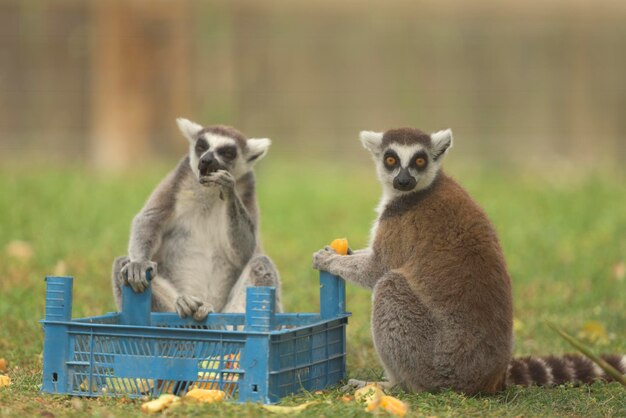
x=390 y=404
x=205 y=395
x=340 y=245
x=291 y=410
x=159 y=404
x=369 y=394
x=229 y=385
x=3 y=365
x=231 y=361
x=129 y=386
x=84 y=385
x=4 y=380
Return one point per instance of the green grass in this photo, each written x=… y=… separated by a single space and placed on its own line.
x=562 y=235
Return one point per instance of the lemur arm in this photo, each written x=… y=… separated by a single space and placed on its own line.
x=147 y=226
x=241 y=231
x=362 y=267
x=241 y=226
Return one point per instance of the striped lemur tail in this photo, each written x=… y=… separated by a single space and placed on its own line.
x=556 y=370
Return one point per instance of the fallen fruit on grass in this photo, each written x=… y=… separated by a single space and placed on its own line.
x=291 y=410
x=3 y=365
x=340 y=245
x=159 y=404
x=390 y=404
x=205 y=395
x=369 y=394
x=4 y=380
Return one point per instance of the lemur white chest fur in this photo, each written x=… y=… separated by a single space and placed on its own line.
x=198 y=230
x=196 y=249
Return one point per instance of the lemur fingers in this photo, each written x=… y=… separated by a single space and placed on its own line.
x=187 y=305
x=220 y=178
x=203 y=311
x=135 y=273
x=323 y=258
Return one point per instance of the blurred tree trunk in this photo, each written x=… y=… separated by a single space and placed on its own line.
x=140 y=67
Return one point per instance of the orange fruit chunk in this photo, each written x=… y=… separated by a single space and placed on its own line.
x=340 y=245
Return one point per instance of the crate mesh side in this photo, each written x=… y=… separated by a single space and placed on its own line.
x=308 y=359
x=104 y=364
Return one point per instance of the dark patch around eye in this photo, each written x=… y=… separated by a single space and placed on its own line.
x=202 y=146
x=420 y=154
x=391 y=154
x=229 y=152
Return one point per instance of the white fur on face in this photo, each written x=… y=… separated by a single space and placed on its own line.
x=215 y=142
x=405 y=154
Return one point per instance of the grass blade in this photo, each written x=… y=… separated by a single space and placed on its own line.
x=610 y=370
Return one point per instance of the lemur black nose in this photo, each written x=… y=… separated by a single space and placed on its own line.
x=208 y=164
x=404 y=181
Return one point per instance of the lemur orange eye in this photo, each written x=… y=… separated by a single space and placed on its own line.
x=390 y=160
x=420 y=161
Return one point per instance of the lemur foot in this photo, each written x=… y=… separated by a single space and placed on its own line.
x=354 y=384
x=323 y=258
x=192 y=306
x=134 y=274
x=263 y=272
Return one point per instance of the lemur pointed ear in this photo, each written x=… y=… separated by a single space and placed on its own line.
x=441 y=142
x=371 y=140
x=188 y=128
x=257 y=148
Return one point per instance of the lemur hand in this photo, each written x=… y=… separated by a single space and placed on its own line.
x=134 y=274
x=187 y=305
x=220 y=178
x=323 y=258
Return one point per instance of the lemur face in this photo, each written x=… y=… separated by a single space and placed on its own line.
x=221 y=148
x=407 y=159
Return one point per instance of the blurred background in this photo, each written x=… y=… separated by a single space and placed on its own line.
x=535 y=92
x=102 y=81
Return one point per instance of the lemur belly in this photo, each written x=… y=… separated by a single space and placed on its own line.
x=195 y=246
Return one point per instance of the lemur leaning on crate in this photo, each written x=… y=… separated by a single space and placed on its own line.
x=198 y=231
x=442 y=305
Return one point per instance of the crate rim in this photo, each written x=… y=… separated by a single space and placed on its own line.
x=75 y=322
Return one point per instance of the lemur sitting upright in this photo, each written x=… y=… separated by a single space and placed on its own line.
x=442 y=305
x=198 y=231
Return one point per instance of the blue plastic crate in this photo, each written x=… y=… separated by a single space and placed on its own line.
x=259 y=356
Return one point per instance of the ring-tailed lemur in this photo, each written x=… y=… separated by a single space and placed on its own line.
x=198 y=231
x=442 y=305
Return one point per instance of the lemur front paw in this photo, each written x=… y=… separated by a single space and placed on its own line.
x=323 y=258
x=135 y=274
x=192 y=306
x=220 y=178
